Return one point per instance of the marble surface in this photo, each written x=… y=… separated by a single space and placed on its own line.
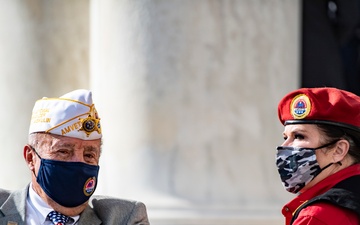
x=187 y=92
x=196 y=95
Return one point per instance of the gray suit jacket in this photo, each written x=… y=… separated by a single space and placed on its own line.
x=101 y=210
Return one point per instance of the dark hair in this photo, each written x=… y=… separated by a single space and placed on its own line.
x=333 y=133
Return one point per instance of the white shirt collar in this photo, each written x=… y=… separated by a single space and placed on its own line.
x=41 y=208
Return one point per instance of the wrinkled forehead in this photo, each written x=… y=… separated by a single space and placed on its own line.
x=49 y=141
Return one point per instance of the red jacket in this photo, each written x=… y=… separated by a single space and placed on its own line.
x=323 y=212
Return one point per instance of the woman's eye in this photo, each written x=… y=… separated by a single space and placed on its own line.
x=298 y=136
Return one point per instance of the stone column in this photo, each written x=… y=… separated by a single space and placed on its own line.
x=20 y=81
x=188 y=93
x=44 y=52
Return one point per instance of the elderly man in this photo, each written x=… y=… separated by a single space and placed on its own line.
x=63 y=154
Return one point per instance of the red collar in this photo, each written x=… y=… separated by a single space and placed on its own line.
x=319 y=188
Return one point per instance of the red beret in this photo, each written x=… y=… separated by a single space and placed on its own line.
x=321 y=106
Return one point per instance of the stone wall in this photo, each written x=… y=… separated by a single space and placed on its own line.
x=187 y=92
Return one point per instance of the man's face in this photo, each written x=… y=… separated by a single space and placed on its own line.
x=55 y=147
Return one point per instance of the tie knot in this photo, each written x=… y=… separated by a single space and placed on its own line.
x=58 y=218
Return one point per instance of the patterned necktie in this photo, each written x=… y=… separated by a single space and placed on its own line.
x=58 y=218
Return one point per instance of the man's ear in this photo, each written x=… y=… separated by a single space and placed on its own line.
x=341 y=149
x=29 y=157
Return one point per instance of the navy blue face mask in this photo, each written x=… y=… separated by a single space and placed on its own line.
x=70 y=184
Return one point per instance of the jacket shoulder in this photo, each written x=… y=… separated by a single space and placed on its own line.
x=101 y=201
x=4 y=194
x=113 y=210
x=326 y=213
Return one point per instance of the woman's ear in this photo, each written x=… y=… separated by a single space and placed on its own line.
x=341 y=149
x=29 y=157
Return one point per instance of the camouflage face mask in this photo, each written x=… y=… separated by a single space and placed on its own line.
x=298 y=166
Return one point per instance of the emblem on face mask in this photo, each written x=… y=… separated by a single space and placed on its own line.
x=89 y=186
x=300 y=106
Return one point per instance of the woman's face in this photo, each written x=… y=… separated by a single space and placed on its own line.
x=307 y=135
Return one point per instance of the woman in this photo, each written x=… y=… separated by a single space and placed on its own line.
x=319 y=159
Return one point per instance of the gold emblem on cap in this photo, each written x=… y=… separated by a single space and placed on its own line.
x=91 y=123
x=300 y=106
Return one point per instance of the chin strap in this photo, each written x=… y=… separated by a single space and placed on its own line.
x=330 y=165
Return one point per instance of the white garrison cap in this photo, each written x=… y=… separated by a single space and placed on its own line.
x=71 y=115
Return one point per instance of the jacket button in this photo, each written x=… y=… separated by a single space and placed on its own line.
x=287 y=209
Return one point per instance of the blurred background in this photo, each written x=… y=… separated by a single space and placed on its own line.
x=187 y=92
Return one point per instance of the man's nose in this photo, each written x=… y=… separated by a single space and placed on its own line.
x=78 y=157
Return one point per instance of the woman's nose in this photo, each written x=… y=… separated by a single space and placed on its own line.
x=286 y=143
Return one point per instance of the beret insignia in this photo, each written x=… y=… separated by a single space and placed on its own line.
x=300 y=106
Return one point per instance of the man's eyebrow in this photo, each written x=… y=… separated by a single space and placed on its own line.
x=66 y=145
x=90 y=148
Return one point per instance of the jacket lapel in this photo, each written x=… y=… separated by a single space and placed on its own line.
x=12 y=211
x=89 y=217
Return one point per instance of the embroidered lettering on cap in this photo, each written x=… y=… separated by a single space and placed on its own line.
x=41 y=120
x=39 y=116
x=72 y=127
